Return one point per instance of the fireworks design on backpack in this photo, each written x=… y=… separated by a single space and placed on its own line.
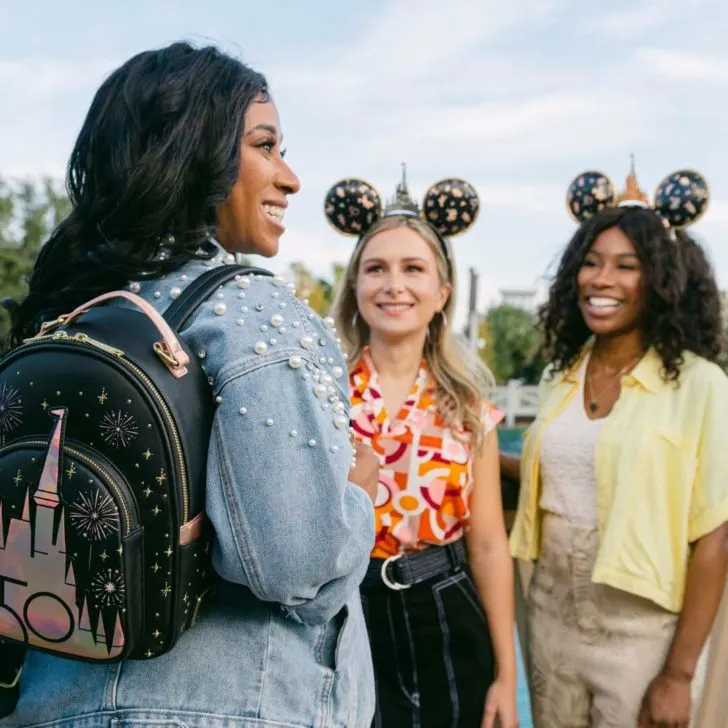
x=108 y=588
x=119 y=429
x=11 y=408
x=94 y=516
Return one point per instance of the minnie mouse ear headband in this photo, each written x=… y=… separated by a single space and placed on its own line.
x=681 y=199
x=450 y=206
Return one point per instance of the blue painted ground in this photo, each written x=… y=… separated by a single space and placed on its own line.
x=510 y=441
x=525 y=720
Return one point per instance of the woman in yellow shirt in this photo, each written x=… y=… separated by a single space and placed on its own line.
x=624 y=474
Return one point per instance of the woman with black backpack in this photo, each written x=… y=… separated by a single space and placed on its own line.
x=131 y=614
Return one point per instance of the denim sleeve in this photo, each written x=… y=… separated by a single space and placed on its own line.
x=287 y=523
x=290 y=526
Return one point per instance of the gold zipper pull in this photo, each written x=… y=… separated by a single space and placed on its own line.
x=86 y=339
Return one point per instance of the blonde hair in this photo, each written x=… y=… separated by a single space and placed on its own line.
x=462 y=379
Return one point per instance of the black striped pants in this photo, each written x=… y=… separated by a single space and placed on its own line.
x=433 y=658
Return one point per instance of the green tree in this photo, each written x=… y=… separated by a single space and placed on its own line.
x=29 y=211
x=512 y=342
x=319 y=292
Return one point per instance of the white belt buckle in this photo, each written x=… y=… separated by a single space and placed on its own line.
x=394 y=585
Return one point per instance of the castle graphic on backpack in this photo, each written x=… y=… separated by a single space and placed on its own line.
x=105 y=420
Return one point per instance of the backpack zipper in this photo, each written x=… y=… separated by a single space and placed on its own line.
x=118 y=354
x=92 y=465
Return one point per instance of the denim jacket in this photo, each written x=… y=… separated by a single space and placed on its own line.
x=283 y=643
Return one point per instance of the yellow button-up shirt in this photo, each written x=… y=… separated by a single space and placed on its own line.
x=661 y=465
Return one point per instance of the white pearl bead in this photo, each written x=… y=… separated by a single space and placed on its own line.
x=273 y=342
x=175 y=292
x=276 y=320
x=243 y=410
x=312 y=443
x=295 y=362
x=202 y=354
x=334 y=448
x=263 y=328
x=269 y=423
x=341 y=421
x=260 y=347
x=307 y=342
x=338 y=372
x=244 y=309
x=320 y=390
x=243 y=282
x=322 y=341
x=295 y=324
x=220 y=296
x=183 y=278
x=220 y=308
x=293 y=433
x=157 y=294
x=240 y=322
x=329 y=322
x=259 y=307
x=135 y=287
x=241 y=295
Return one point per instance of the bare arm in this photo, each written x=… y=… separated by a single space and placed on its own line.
x=490 y=559
x=705 y=584
x=510 y=466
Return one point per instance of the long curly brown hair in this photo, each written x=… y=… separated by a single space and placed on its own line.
x=682 y=303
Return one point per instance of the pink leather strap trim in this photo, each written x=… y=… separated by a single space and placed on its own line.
x=169 y=340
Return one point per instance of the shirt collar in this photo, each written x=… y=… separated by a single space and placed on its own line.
x=647 y=373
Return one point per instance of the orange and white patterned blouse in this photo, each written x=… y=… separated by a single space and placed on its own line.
x=425 y=476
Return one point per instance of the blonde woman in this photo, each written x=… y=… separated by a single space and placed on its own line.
x=440 y=571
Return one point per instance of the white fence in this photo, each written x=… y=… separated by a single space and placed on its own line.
x=517 y=400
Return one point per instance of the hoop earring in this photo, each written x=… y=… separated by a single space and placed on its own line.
x=355 y=319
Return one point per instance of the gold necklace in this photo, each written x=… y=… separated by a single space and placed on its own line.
x=594 y=401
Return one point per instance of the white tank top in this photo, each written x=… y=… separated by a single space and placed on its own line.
x=568 y=473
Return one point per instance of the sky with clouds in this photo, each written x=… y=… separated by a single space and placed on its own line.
x=515 y=96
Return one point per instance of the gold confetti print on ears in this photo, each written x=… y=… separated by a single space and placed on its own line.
x=352 y=206
x=589 y=193
x=451 y=206
x=682 y=198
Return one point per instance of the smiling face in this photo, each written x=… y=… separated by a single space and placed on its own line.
x=399 y=288
x=611 y=285
x=251 y=219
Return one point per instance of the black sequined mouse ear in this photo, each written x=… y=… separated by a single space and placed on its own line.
x=589 y=193
x=352 y=206
x=451 y=206
x=682 y=198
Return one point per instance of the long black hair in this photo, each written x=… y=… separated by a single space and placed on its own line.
x=158 y=151
x=682 y=303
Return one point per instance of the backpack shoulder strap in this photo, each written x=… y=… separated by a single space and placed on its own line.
x=181 y=310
